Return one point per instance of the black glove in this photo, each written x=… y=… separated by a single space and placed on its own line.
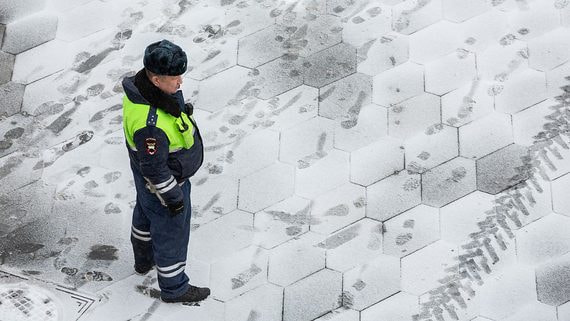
x=189 y=109
x=176 y=208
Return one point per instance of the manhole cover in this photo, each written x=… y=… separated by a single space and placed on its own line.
x=24 y=302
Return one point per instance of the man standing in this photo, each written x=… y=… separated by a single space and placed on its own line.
x=165 y=149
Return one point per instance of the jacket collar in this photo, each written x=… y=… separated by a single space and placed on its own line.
x=140 y=90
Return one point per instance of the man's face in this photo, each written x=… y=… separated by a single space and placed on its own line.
x=168 y=84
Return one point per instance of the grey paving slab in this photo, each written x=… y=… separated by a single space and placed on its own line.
x=411 y=231
x=398 y=84
x=501 y=169
x=237 y=83
x=393 y=195
x=398 y=307
x=208 y=310
x=502 y=58
x=316 y=179
x=538 y=204
x=436 y=145
x=337 y=208
x=6 y=66
x=29 y=32
x=553 y=280
x=376 y=161
x=239 y=272
x=385 y=53
x=12 y=94
x=278 y=76
x=414 y=116
x=306 y=142
x=40 y=61
x=450 y=72
x=343 y=99
x=534 y=249
x=555 y=79
x=366 y=24
x=329 y=65
x=535 y=21
x=213 y=198
x=262 y=303
x=466 y=104
x=485 y=135
x=14 y=132
x=362 y=241
x=216 y=240
x=292 y=107
x=282 y=221
x=13 y=11
x=448 y=182
x=435 y=41
x=409 y=17
x=564 y=312
x=549 y=50
x=371 y=125
x=84 y=20
x=532 y=85
x=252 y=17
x=208 y=58
x=244 y=160
x=534 y=311
x=340 y=314
x=295 y=260
x=313 y=296
x=459 y=11
x=261 y=47
x=484 y=30
x=560 y=203
x=526 y=126
x=368 y=284
x=266 y=187
x=306 y=35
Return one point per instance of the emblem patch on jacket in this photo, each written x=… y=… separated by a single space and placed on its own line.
x=150 y=144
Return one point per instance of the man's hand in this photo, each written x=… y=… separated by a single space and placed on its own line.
x=176 y=209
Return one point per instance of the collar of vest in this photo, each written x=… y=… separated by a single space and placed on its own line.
x=140 y=90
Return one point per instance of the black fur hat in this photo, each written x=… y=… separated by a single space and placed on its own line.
x=165 y=58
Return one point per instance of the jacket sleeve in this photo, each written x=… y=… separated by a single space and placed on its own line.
x=152 y=151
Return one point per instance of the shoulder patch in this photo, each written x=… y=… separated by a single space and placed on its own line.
x=150 y=145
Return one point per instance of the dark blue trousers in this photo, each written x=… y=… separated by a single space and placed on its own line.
x=161 y=239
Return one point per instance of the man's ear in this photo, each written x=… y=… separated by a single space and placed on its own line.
x=155 y=80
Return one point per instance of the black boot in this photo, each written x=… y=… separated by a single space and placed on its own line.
x=142 y=269
x=193 y=294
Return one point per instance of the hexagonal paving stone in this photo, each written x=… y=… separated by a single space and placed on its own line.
x=6 y=66
x=534 y=248
x=414 y=116
x=266 y=187
x=435 y=41
x=460 y=218
x=549 y=50
x=372 y=282
x=411 y=230
x=282 y=222
x=245 y=156
x=312 y=296
x=316 y=179
x=459 y=11
x=340 y=314
x=385 y=53
x=361 y=241
x=85 y=20
x=534 y=311
x=344 y=98
x=484 y=30
x=278 y=76
x=505 y=293
x=329 y=65
x=263 y=303
x=213 y=198
x=524 y=89
x=564 y=312
x=485 y=135
x=398 y=84
x=237 y=83
x=40 y=61
x=368 y=24
x=501 y=169
x=11 y=96
x=369 y=126
x=556 y=79
x=15 y=132
x=29 y=32
x=448 y=182
x=239 y=273
x=450 y=72
x=560 y=201
x=434 y=146
x=260 y=47
x=251 y=18
x=393 y=195
x=376 y=161
x=307 y=9
x=221 y=237
x=335 y=209
x=12 y=11
x=501 y=59
x=307 y=141
x=529 y=123
x=398 y=307
x=296 y=259
x=553 y=281
x=411 y=16
x=533 y=202
x=293 y=107
x=466 y=104
x=534 y=21
x=422 y=270
x=304 y=37
x=208 y=58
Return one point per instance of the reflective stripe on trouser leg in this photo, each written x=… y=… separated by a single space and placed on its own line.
x=140 y=239
x=171 y=271
x=140 y=235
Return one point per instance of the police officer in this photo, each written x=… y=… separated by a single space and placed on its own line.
x=165 y=149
